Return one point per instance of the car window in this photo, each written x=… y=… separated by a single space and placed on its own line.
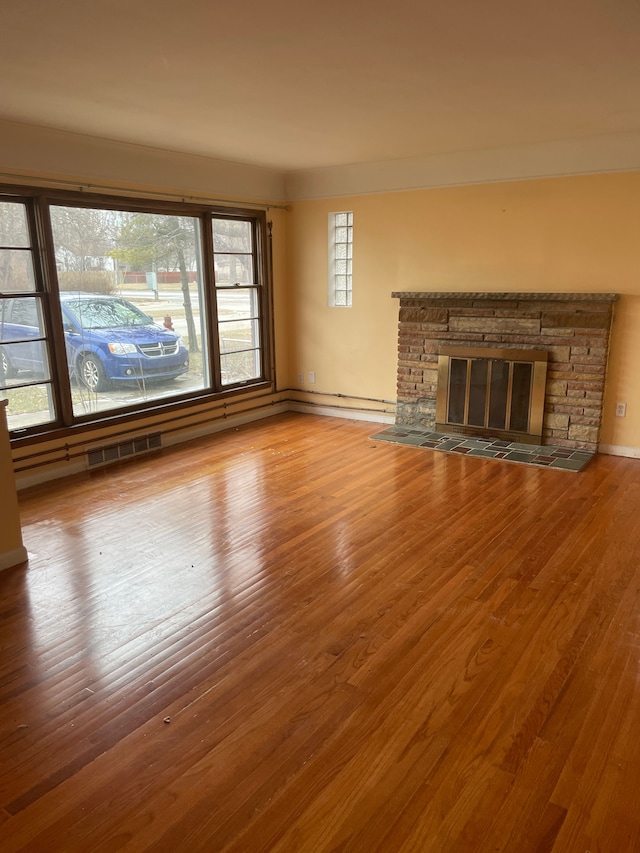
x=105 y=314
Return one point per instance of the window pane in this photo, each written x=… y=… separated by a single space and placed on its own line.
x=16 y=271
x=14 y=231
x=239 y=335
x=29 y=405
x=342 y=219
x=240 y=366
x=24 y=348
x=233 y=269
x=131 y=297
x=237 y=304
x=231 y=235
x=24 y=362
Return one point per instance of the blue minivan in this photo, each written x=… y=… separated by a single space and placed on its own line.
x=108 y=340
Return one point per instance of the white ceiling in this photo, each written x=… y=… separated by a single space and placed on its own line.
x=291 y=85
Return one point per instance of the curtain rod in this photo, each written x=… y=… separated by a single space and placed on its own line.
x=86 y=187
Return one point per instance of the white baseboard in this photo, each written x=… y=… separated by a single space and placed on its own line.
x=616 y=450
x=352 y=415
x=13 y=558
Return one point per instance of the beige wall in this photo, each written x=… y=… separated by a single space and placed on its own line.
x=560 y=234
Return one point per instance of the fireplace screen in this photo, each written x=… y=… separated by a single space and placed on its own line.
x=491 y=392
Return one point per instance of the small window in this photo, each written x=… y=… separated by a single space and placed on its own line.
x=340 y=258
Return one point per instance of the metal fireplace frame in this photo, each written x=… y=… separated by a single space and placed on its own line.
x=537 y=358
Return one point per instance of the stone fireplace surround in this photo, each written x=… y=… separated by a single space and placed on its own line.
x=573 y=328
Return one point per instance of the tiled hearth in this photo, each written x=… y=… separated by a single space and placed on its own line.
x=547 y=456
x=572 y=327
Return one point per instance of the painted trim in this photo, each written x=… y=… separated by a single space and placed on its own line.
x=30 y=151
x=562 y=158
x=617 y=450
x=13 y=558
x=330 y=412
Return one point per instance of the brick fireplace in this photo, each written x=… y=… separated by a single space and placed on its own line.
x=573 y=328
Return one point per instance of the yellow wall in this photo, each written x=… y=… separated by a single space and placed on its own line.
x=560 y=234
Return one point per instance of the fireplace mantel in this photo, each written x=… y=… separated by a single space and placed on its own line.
x=573 y=328
x=484 y=296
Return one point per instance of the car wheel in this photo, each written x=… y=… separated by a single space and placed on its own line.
x=92 y=373
x=6 y=371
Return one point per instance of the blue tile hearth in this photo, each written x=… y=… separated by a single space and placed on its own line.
x=547 y=456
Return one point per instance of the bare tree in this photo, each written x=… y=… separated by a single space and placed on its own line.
x=158 y=242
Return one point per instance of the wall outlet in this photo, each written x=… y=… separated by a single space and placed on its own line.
x=312 y=377
x=301 y=379
x=621 y=410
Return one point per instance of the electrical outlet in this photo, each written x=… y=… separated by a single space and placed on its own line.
x=621 y=410
x=301 y=379
x=312 y=377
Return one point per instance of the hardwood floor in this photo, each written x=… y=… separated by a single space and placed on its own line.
x=288 y=637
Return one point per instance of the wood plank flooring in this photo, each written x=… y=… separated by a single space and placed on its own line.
x=288 y=637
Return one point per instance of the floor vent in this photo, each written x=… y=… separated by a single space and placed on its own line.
x=123 y=449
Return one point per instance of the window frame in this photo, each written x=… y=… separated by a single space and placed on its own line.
x=259 y=266
x=39 y=293
x=38 y=202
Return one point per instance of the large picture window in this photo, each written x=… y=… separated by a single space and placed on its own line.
x=139 y=307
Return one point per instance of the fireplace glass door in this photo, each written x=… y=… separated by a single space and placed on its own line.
x=491 y=392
